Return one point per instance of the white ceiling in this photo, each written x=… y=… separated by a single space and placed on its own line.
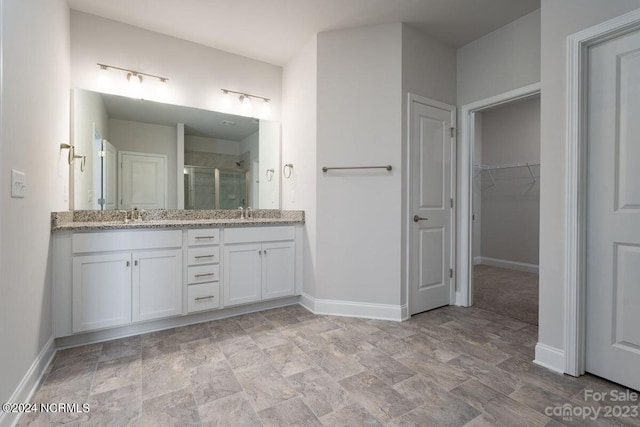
x=274 y=30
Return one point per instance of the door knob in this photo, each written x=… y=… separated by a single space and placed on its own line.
x=417 y=218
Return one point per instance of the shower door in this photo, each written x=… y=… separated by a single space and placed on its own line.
x=232 y=189
x=214 y=188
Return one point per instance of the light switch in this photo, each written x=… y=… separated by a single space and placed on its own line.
x=18 y=184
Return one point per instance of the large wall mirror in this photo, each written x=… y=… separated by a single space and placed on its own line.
x=148 y=155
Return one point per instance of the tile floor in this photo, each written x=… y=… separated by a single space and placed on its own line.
x=448 y=367
x=509 y=292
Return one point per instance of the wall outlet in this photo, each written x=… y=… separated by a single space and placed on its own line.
x=18 y=184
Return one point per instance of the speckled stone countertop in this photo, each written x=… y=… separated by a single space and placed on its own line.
x=167 y=218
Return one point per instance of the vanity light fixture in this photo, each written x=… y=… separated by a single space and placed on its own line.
x=134 y=78
x=103 y=76
x=135 y=84
x=246 y=101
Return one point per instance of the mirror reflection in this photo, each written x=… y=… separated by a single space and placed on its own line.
x=151 y=155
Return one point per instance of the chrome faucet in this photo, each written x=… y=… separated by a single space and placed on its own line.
x=242 y=215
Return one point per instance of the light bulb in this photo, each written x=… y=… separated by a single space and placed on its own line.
x=266 y=108
x=162 y=89
x=226 y=100
x=246 y=104
x=135 y=85
x=103 y=76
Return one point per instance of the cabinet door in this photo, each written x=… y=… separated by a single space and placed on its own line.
x=101 y=291
x=278 y=274
x=242 y=274
x=157 y=284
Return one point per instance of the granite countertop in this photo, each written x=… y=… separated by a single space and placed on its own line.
x=114 y=220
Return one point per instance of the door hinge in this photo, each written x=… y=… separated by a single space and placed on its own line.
x=451 y=202
x=451 y=273
x=452 y=131
x=101 y=153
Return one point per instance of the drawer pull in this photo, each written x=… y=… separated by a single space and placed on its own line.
x=204 y=275
x=201 y=298
x=205 y=237
x=204 y=256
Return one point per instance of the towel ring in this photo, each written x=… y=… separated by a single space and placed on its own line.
x=287 y=170
x=83 y=163
x=72 y=152
x=269 y=174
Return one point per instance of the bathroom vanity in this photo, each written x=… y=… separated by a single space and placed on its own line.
x=113 y=277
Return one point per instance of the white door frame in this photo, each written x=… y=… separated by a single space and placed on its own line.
x=464 y=241
x=576 y=183
x=411 y=97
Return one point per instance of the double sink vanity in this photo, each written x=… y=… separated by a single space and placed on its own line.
x=115 y=277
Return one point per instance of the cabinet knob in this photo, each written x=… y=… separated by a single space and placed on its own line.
x=128 y=263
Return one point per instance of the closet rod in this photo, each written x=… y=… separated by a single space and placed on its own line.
x=387 y=167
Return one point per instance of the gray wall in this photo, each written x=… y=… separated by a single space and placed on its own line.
x=299 y=123
x=35 y=120
x=559 y=20
x=503 y=60
x=359 y=123
x=511 y=208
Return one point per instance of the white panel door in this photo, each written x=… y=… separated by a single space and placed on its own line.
x=613 y=211
x=431 y=151
x=143 y=180
x=157 y=284
x=101 y=291
x=242 y=274
x=278 y=274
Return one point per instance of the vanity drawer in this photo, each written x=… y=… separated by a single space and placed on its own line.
x=203 y=236
x=203 y=273
x=203 y=255
x=205 y=296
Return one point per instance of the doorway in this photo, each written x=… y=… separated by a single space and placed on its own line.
x=467 y=179
x=506 y=208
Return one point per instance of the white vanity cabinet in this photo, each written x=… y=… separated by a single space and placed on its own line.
x=120 y=277
x=259 y=264
x=101 y=291
x=203 y=269
x=112 y=283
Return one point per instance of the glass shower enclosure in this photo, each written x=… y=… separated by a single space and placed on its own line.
x=215 y=188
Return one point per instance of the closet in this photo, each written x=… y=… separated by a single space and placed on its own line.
x=506 y=209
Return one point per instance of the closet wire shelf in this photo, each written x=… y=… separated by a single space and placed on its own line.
x=489 y=168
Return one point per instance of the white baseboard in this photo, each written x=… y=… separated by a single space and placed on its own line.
x=502 y=263
x=29 y=383
x=355 y=309
x=172 y=322
x=549 y=357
